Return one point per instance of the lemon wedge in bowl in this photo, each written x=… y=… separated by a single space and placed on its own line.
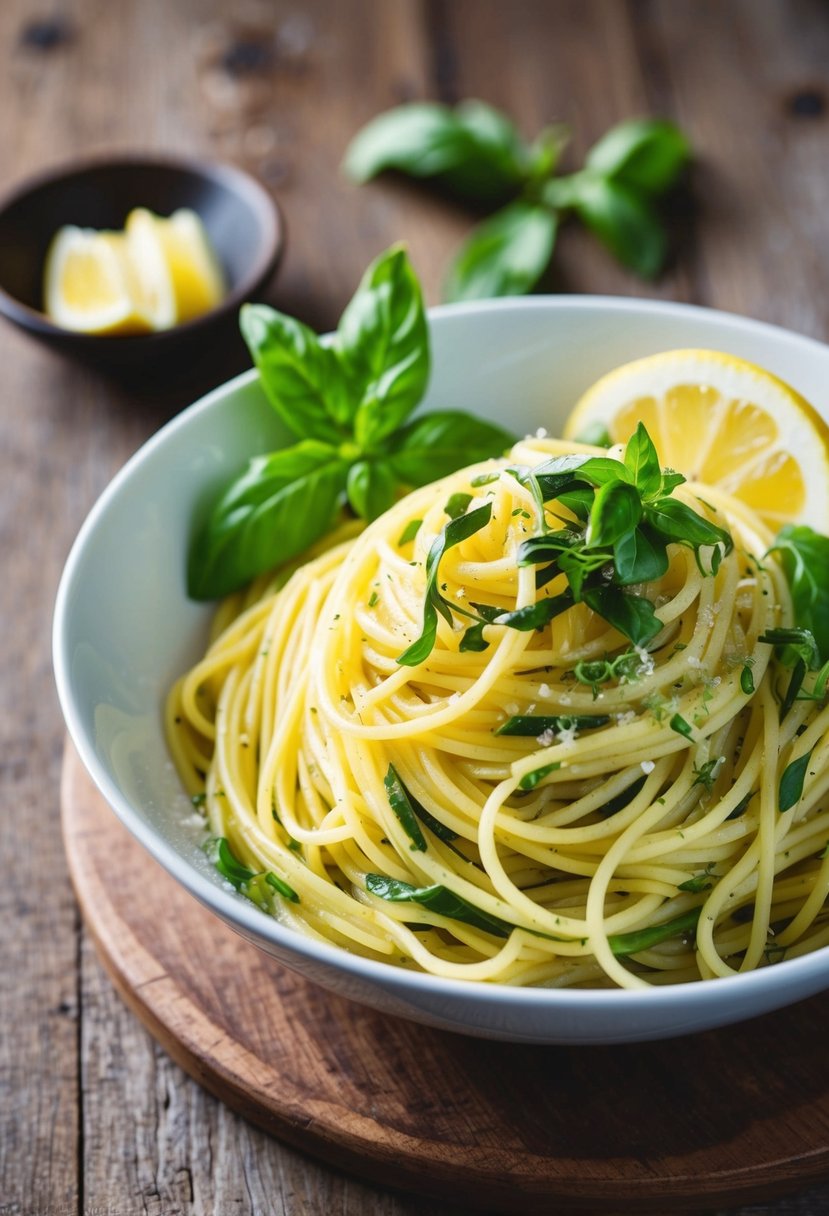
x=88 y=283
x=177 y=273
x=721 y=421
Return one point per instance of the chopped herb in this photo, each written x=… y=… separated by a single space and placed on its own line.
x=681 y=727
x=229 y=866
x=530 y=780
x=537 y=724
x=747 y=680
x=244 y=879
x=791 y=782
x=707 y=773
x=643 y=939
x=699 y=882
x=457 y=504
x=437 y=899
x=399 y=802
x=199 y=799
x=280 y=886
x=409 y=532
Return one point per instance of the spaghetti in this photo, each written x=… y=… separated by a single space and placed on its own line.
x=550 y=806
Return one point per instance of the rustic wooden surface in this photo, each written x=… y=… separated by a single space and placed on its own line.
x=509 y=1128
x=94 y=1117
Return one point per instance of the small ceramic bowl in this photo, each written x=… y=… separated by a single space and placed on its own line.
x=242 y=220
x=124 y=629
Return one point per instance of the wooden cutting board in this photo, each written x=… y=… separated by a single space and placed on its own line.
x=718 y=1118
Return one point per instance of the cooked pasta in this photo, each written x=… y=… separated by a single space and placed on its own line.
x=638 y=835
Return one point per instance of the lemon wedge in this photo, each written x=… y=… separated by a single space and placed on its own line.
x=722 y=421
x=177 y=274
x=88 y=283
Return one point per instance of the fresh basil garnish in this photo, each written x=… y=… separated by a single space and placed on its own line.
x=792 y=780
x=475 y=152
x=456 y=530
x=437 y=899
x=348 y=402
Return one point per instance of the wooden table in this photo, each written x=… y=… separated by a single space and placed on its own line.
x=94 y=1118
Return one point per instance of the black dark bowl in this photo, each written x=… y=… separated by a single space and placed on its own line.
x=243 y=223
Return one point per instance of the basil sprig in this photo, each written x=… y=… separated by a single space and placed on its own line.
x=475 y=152
x=348 y=403
x=626 y=521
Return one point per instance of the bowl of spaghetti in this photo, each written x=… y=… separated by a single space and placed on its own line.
x=444 y=768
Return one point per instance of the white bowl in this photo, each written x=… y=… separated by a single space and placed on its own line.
x=124 y=628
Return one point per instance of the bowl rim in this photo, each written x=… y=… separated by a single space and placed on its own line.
x=237 y=180
x=242 y=915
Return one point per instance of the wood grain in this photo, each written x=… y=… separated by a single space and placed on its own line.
x=499 y=1126
x=93 y=1116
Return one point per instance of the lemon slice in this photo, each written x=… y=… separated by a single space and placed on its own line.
x=721 y=421
x=178 y=276
x=87 y=283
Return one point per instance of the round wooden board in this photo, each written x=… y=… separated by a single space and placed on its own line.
x=718 y=1118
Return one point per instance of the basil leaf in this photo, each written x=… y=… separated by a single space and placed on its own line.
x=409 y=532
x=456 y=504
x=682 y=524
x=678 y=724
x=670 y=480
x=280 y=505
x=623 y=799
x=805 y=557
x=530 y=780
x=536 y=724
x=506 y=255
x=642 y=462
x=643 y=939
x=562 y=474
x=220 y=853
x=547 y=547
x=579 y=501
x=383 y=344
x=632 y=615
x=456 y=530
x=437 y=899
x=617 y=509
x=472 y=151
x=473 y=639
x=302 y=379
x=643 y=154
x=370 y=488
x=438 y=443
x=624 y=222
x=281 y=887
x=394 y=783
x=640 y=556
x=536 y=616
x=791 y=783
x=703 y=881
x=398 y=797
